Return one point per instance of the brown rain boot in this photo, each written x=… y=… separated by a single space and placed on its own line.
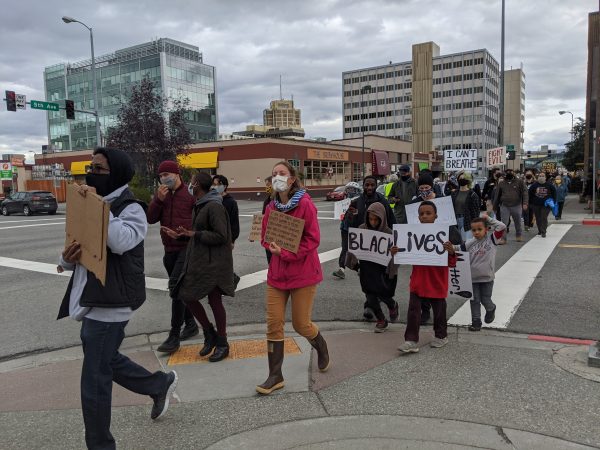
x=275 y=379
x=320 y=346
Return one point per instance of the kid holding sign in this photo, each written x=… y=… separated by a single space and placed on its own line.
x=429 y=283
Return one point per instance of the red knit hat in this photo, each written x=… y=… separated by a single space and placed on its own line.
x=168 y=166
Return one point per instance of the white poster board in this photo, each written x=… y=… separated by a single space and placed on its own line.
x=421 y=244
x=370 y=245
x=459 y=277
x=340 y=208
x=496 y=157
x=445 y=211
x=460 y=160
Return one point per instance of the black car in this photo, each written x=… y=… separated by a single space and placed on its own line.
x=29 y=202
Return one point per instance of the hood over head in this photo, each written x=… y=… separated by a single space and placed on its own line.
x=379 y=210
x=121 y=167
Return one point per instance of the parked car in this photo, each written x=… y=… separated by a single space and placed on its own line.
x=339 y=193
x=29 y=202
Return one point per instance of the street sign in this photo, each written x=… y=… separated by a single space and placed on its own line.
x=510 y=148
x=49 y=106
x=6 y=172
x=21 y=101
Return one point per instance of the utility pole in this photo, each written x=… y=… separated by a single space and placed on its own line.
x=501 y=118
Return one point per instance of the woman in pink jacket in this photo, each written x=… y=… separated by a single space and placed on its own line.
x=294 y=275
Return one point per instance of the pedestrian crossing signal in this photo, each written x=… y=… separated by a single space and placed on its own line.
x=70 y=109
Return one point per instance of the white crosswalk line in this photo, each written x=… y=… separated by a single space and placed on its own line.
x=33 y=225
x=515 y=277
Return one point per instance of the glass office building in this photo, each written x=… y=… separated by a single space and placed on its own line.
x=176 y=69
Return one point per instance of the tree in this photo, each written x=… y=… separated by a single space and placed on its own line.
x=149 y=130
x=574 y=153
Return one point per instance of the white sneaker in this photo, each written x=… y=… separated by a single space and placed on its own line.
x=409 y=347
x=439 y=343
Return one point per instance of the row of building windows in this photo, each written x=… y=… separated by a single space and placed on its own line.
x=456 y=133
x=458 y=64
x=458 y=119
x=379 y=76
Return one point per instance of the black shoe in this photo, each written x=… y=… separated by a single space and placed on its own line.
x=368 y=313
x=221 y=350
x=171 y=345
x=543 y=235
x=210 y=340
x=236 y=280
x=475 y=326
x=161 y=403
x=189 y=331
x=490 y=315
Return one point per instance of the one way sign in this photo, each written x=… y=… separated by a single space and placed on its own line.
x=20 y=101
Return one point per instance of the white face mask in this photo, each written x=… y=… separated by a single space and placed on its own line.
x=280 y=183
x=191 y=189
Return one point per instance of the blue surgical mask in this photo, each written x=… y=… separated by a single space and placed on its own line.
x=168 y=182
x=219 y=188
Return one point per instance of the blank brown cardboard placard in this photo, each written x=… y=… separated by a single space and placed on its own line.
x=256 y=228
x=285 y=230
x=87 y=223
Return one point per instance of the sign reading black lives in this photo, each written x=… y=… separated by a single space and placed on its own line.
x=421 y=244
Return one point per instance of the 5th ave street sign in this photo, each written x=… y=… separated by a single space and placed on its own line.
x=49 y=106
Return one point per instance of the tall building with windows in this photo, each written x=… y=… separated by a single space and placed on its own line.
x=438 y=101
x=514 y=114
x=176 y=68
x=282 y=114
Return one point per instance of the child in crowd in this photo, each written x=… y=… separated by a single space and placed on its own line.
x=482 y=253
x=428 y=283
x=377 y=282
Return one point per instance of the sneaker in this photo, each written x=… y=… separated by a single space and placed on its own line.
x=394 y=313
x=409 y=347
x=368 y=313
x=475 y=327
x=519 y=238
x=439 y=343
x=490 y=315
x=339 y=274
x=161 y=403
x=543 y=235
x=381 y=326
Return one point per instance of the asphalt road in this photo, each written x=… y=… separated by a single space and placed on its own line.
x=563 y=301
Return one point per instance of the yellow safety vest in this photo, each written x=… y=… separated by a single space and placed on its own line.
x=388 y=188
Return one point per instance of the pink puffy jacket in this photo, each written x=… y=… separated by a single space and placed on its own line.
x=289 y=270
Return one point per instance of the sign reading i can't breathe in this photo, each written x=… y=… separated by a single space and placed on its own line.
x=285 y=230
x=370 y=245
x=421 y=244
x=460 y=160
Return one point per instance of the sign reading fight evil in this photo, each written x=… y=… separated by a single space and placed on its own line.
x=496 y=156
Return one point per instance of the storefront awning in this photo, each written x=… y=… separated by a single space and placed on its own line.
x=207 y=160
x=381 y=163
x=80 y=167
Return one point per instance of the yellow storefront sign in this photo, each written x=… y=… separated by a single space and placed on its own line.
x=80 y=167
x=206 y=160
x=327 y=155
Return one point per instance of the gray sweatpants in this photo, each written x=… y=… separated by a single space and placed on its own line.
x=506 y=212
x=482 y=295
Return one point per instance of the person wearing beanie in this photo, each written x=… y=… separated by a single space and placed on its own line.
x=172 y=206
x=104 y=309
x=401 y=193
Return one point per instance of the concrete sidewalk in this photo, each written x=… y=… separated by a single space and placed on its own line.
x=483 y=390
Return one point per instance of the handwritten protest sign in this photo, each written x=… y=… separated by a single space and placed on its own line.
x=255 y=228
x=460 y=160
x=340 y=208
x=496 y=156
x=422 y=244
x=459 y=278
x=370 y=245
x=285 y=230
x=445 y=211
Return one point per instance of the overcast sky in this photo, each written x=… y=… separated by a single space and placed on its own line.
x=310 y=43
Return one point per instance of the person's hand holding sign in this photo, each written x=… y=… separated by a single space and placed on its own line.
x=274 y=248
x=72 y=253
x=394 y=250
x=449 y=247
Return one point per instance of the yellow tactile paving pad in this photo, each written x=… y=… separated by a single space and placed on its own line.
x=242 y=349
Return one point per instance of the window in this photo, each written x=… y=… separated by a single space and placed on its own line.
x=372 y=77
x=447 y=66
x=437 y=94
x=457 y=64
x=347 y=130
x=447 y=79
x=437 y=67
x=467 y=76
x=456 y=133
x=381 y=127
x=457 y=92
x=389 y=74
x=456 y=78
x=380 y=76
x=457 y=106
x=364 y=78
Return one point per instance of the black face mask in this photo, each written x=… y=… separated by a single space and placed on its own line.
x=463 y=182
x=405 y=177
x=509 y=176
x=529 y=177
x=99 y=181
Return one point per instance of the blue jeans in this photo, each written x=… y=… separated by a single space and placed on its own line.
x=460 y=224
x=103 y=364
x=482 y=295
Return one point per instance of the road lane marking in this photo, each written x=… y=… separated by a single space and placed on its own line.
x=578 y=246
x=34 y=225
x=33 y=220
x=515 y=277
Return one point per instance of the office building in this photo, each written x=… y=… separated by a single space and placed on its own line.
x=514 y=114
x=176 y=68
x=282 y=114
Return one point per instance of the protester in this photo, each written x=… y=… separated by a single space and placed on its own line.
x=105 y=309
x=268 y=199
x=352 y=190
x=482 y=255
x=561 y=194
x=294 y=275
x=208 y=266
x=220 y=184
x=466 y=204
x=172 y=207
x=393 y=178
x=451 y=186
x=539 y=192
x=401 y=193
x=489 y=191
x=436 y=186
x=527 y=213
x=512 y=198
x=588 y=191
x=428 y=283
x=378 y=282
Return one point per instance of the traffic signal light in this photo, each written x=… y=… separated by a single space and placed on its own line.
x=529 y=153
x=549 y=152
x=511 y=155
x=70 y=109
x=11 y=101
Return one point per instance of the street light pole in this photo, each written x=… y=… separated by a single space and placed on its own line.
x=572 y=123
x=362 y=125
x=95 y=87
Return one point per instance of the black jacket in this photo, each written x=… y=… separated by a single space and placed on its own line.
x=472 y=207
x=234 y=215
x=362 y=203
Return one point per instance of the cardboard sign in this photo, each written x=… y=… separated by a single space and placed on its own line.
x=460 y=160
x=445 y=211
x=340 y=208
x=256 y=228
x=422 y=244
x=87 y=223
x=549 y=166
x=459 y=277
x=285 y=230
x=496 y=156
x=370 y=245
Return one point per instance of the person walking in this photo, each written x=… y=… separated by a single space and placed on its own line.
x=292 y=275
x=561 y=194
x=105 y=309
x=539 y=192
x=352 y=191
x=527 y=213
x=172 y=207
x=208 y=264
x=268 y=199
x=467 y=204
x=512 y=197
x=220 y=184
x=401 y=193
